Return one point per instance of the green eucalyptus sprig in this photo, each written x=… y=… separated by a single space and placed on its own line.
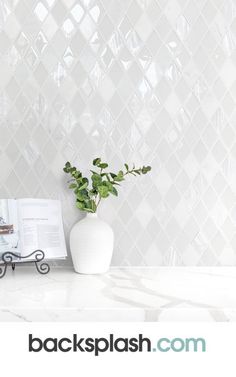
x=103 y=183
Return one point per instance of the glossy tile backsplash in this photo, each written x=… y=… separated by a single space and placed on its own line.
x=145 y=81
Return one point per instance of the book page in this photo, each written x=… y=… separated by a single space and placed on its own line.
x=41 y=227
x=9 y=227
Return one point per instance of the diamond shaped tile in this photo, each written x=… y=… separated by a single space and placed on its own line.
x=40 y=11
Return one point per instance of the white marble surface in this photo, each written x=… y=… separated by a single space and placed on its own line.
x=123 y=294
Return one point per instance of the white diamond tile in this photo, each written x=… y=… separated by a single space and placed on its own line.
x=59 y=12
x=40 y=11
x=68 y=27
x=77 y=12
x=21 y=43
x=49 y=27
x=143 y=27
x=12 y=26
x=87 y=27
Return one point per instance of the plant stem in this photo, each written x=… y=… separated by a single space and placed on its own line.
x=98 y=201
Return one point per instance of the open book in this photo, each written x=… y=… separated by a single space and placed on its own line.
x=30 y=224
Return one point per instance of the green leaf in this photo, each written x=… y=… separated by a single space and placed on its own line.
x=73 y=186
x=96 y=177
x=91 y=205
x=114 y=191
x=82 y=195
x=77 y=175
x=103 y=165
x=127 y=167
x=92 y=192
x=108 y=185
x=119 y=178
x=67 y=167
x=79 y=180
x=73 y=171
x=112 y=175
x=96 y=161
x=96 y=180
x=80 y=205
x=103 y=191
x=84 y=186
x=146 y=169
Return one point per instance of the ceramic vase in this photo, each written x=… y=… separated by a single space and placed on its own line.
x=91 y=245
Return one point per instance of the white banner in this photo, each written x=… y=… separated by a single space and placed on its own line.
x=117 y=349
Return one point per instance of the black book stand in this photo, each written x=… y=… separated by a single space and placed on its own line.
x=35 y=257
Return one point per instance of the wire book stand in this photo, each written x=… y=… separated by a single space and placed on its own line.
x=36 y=257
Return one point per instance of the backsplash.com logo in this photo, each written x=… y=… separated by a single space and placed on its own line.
x=116 y=344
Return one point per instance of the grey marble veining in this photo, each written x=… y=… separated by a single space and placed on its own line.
x=123 y=294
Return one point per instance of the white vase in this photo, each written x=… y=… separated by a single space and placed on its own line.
x=91 y=245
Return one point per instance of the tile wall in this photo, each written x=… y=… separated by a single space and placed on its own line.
x=149 y=81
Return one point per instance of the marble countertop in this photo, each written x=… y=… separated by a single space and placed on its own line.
x=123 y=294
